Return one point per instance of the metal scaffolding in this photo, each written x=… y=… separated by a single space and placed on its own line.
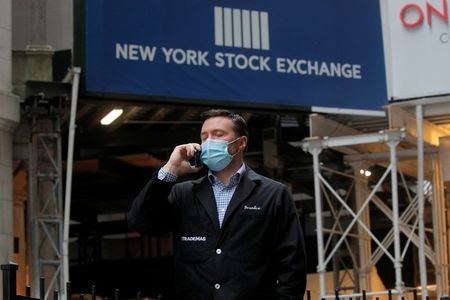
x=45 y=203
x=408 y=222
x=48 y=215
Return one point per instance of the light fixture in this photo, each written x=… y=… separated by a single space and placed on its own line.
x=364 y=172
x=111 y=116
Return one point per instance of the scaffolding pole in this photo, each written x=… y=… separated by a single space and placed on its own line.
x=420 y=194
x=68 y=194
x=395 y=216
x=321 y=268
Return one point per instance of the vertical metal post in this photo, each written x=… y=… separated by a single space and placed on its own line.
x=41 y=288
x=73 y=111
x=9 y=281
x=319 y=222
x=60 y=208
x=68 y=292
x=421 y=201
x=395 y=217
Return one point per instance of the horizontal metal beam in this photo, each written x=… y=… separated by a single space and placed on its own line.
x=394 y=135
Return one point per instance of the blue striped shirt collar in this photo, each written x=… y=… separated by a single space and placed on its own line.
x=234 y=180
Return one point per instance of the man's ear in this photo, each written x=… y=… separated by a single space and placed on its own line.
x=243 y=142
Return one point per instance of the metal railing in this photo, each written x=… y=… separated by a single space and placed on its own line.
x=10 y=288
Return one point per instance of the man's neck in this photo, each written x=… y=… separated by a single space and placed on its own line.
x=230 y=170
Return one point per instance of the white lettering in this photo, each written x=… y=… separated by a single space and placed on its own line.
x=357 y=71
x=335 y=69
x=167 y=53
x=245 y=62
x=191 y=57
x=188 y=57
x=347 y=71
x=300 y=70
x=316 y=68
x=313 y=67
x=264 y=64
x=179 y=56
x=121 y=51
x=202 y=58
x=242 y=62
x=135 y=52
x=147 y=53
x=193 y=238
x=253 y=65
x=230 y=57
x=324 y=69
x=219 y=60
x=291 y=66
x=252 y=207
x=280 y=65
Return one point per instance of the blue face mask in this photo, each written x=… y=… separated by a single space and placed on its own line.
x=215 y=154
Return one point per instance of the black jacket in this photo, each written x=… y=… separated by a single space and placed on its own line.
x=257 y=254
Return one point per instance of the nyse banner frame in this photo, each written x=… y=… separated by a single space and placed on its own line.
x=293 y=54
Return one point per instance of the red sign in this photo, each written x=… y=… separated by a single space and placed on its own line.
x=412 y=15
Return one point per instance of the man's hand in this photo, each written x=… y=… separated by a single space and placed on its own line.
x=178 y=163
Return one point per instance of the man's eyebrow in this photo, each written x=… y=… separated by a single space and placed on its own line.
x=218 y=130
x=214 y=131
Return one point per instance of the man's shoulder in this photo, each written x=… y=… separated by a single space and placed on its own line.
x=264 y=179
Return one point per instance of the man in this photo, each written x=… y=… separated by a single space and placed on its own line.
x=236 y=233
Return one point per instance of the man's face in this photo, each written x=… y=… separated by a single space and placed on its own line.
x=219 y=128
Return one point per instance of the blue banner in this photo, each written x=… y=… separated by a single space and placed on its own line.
x=292 y=52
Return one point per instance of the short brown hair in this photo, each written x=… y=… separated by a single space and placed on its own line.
x=239 y=124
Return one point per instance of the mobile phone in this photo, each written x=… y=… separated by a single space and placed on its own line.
x=196 y=160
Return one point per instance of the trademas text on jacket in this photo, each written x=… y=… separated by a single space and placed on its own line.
x=258 y=253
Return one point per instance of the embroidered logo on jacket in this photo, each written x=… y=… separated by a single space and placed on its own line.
x=252 y=207
x=193 y=238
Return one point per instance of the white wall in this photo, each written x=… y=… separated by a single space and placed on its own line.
x=43 y=22
x=9 y=116
x=5 y=45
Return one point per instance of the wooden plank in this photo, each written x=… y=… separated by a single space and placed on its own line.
x=400 y=118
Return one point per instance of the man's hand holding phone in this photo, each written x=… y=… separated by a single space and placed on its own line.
x=196 y=161
x=180 y=160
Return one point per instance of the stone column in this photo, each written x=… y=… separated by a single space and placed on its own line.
x=9 y=117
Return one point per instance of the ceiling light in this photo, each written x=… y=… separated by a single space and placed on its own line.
x=111 y=116
x=366 y=173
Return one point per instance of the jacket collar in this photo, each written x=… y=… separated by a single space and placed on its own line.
x=205 y=194
x=243 y=191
